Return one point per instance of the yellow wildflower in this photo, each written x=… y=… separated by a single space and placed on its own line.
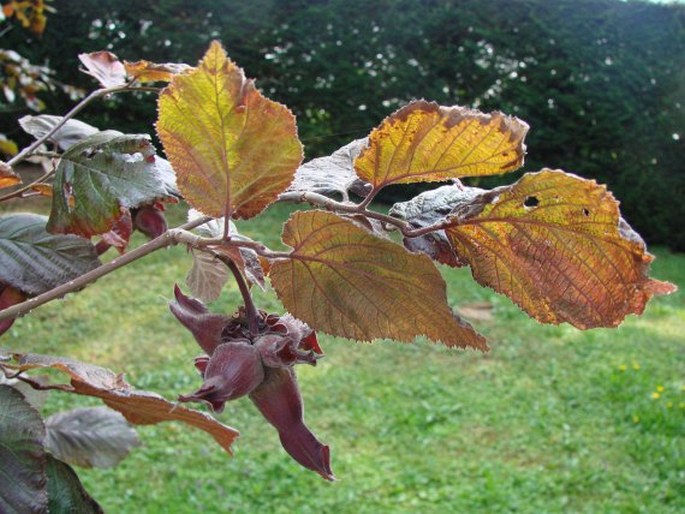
x=660 y=388
x=655 y=395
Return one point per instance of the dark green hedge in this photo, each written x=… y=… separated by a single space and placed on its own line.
x=601 y=82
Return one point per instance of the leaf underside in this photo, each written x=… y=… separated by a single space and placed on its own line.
x=207 y=276
x=425 y=142
x=104 y=67
x=345 y=281
x=71 y=133
x=89 y=437
x=332 y=174
x=234 y=151
x=556 y=245
x=138 y=407
x=34 y=261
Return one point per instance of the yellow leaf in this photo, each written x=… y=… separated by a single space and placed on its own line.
x=7 y=146
x=145 y=71
x=345 y=281
x=555 y=244
x=234 y=151
x=425 y=142
x=42 y=189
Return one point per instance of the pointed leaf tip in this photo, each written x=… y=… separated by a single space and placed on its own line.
x=138 y=406
x=254 y=150
x=345 y=281
x=556 y=244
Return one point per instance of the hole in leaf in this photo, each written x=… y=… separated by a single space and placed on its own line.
x=586 y=212
x=531 y=201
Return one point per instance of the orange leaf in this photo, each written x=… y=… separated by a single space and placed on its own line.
x=555 y=244
x=138 y=407
x=42 y=189
x=145 y=71
x=345 y=281
x=425 y=142
x=8 y=177
x=234 y=151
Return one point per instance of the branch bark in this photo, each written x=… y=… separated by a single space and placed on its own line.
x=171 y=237
x=98 y=93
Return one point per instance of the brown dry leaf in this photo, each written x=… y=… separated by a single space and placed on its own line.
x=234 y=151
x=347 y=282
x=555 y=244
x=138 y=407
x=425 y=142
x=477 y=311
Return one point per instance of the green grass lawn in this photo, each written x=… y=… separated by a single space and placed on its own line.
x=551 y=420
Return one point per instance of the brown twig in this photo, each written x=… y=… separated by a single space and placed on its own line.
x=171 y=237
x=17 y=193
x=250 y=308
x=98 y=93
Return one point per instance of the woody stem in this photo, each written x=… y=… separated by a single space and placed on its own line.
x=250 y=308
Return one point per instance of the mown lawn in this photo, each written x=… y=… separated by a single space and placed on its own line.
x=551 y=420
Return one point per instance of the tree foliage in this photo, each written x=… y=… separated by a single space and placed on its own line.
x=599 y=80
x=553 y=242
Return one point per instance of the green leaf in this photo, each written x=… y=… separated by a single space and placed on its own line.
x=345 y=281
x=103 y=173
x=96 y=437
x=34 y=261
x=22 y=458
x=65 y=491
